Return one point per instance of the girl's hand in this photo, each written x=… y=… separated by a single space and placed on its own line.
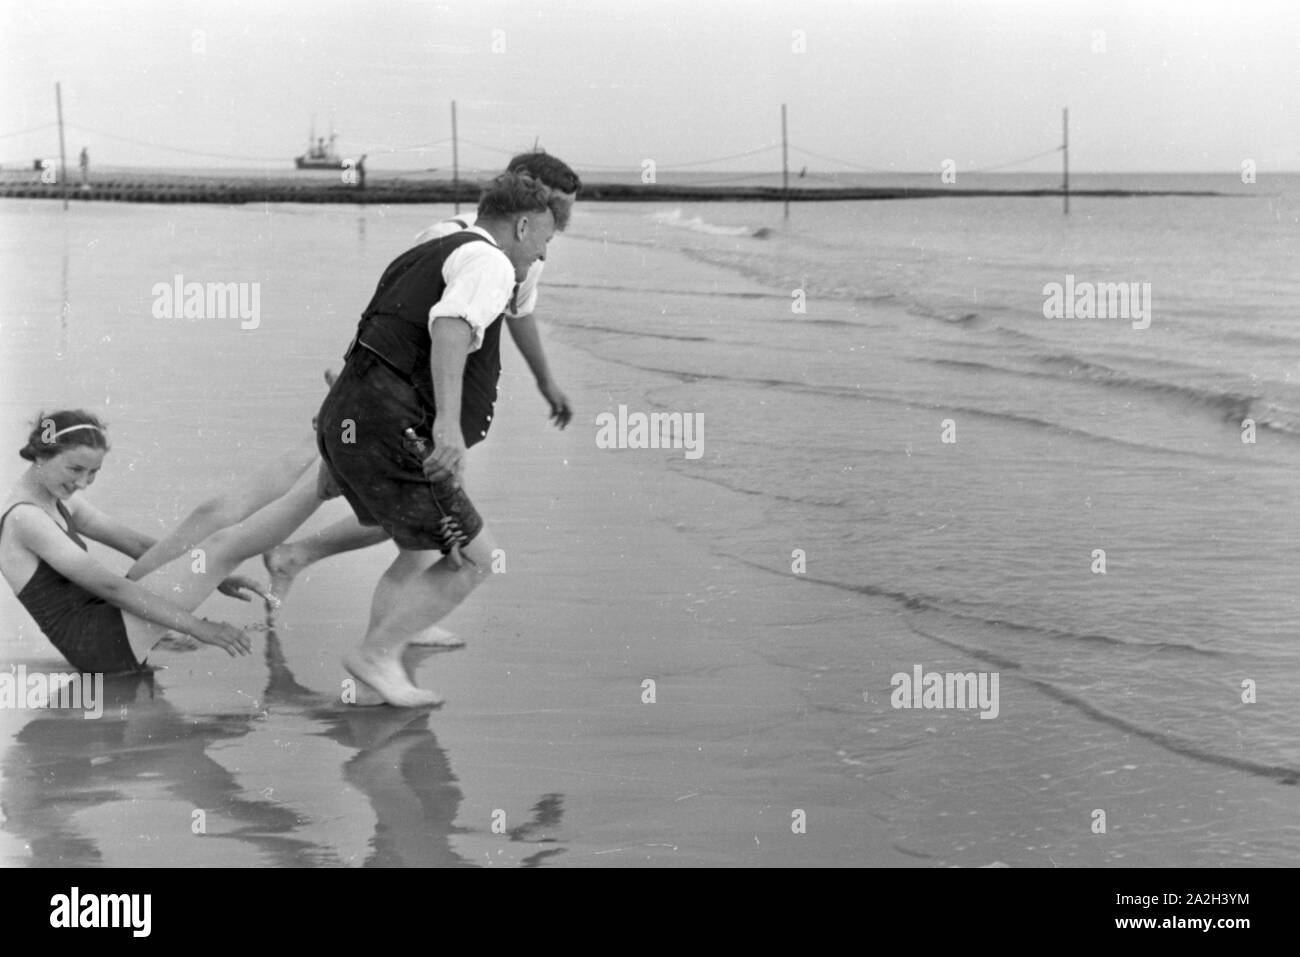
x=234 y=640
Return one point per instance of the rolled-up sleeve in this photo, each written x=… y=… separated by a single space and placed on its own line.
x=480 y=281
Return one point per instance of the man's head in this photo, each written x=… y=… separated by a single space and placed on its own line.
x=556 y=174
x=520 y=212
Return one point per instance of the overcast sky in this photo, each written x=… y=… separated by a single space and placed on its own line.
x=1171 y=86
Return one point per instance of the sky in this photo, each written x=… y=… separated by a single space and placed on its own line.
x=1177 y=86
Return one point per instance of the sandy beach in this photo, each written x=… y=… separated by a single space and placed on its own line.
x=771 y=739
x=545 y=719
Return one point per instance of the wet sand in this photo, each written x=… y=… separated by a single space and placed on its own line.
x=545 y=753
x=544 y=733
x=544 y=719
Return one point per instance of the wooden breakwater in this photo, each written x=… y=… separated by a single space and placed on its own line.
x=137 y=189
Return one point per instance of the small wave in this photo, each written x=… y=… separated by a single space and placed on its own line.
x=858 y=393
x=1076 y=433
x=642 y=291
x=639 y=333
x=1231 y=406
x=1170 y=742
x=1268 y=339
x=966 y=320
x=697 y=225
x=1276 y=425
x=934 y=604
x=1163 y=739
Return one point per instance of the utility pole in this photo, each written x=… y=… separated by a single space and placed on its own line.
x=785 y=165
x=63 y=156
x=455 y=159
x=1065 y=148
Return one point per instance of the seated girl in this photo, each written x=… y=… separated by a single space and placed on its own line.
x=99 y=620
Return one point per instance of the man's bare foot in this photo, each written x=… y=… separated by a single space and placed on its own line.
x=435 y=637
x=412 y=655
x=364 y=696
x=388 y=677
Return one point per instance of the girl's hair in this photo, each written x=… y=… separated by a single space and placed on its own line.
x=59 y=431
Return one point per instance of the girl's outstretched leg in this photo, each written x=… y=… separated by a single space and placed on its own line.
x=262 y=487
x=192 y=577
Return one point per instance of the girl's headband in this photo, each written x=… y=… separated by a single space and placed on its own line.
x=73 y=428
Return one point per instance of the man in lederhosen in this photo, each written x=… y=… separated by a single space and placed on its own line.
x=426 y=358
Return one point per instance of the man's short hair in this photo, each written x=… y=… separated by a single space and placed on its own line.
x=513 y=193
x=554 y=172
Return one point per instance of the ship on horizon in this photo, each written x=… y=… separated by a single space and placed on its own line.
x=320 y=155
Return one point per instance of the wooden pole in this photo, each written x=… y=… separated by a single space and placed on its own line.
x=785 y=165
x=1065 y=148
x=63 y=156
x=455 y=159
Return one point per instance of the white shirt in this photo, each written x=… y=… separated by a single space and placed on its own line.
x=526 y=298
x=480 y=281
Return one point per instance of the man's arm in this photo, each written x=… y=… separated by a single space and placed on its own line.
x=451 y=337
x=479 y=279
x=98 y=527
x=523 y=329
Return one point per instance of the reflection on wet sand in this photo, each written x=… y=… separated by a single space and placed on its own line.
x=59 y=766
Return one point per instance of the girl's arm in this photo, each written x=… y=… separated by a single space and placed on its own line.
x=97 y=526
x=38 y=533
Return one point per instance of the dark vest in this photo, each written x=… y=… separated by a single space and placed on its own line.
x=396 y=326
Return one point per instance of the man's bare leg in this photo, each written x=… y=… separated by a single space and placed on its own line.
x=285 y=562
x=410 y=602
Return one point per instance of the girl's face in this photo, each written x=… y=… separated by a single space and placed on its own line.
x=70 y=471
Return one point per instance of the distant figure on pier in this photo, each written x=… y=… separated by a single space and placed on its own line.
x=85 y=166
x=361 y=172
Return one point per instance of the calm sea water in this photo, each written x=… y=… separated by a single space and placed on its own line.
x=825 y=427
x=1072 y=435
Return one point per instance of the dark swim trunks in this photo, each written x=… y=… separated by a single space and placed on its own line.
x=87 y=631
x=359 y=433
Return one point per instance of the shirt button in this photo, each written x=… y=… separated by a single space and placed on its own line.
x=489 y=418
x=483 y=434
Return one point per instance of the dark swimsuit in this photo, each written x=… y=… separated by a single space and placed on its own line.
x=86 y=630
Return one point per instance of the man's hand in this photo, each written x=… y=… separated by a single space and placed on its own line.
x=236 y=585
x=561 y=412
x=447 y=460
